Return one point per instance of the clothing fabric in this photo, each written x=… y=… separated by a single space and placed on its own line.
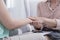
x=1 y=38
x=53 y=36
x=4 y=32
x=27 y=36
x=44 y=10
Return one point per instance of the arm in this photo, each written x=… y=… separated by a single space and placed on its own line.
x=53 y=23
x=50 y=22
x=9 y=22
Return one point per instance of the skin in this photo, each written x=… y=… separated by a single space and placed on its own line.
x=38 y=21
x=51 y=22
x=9 y=22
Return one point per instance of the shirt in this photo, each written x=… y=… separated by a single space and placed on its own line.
x=45 y=11
x=4 y=32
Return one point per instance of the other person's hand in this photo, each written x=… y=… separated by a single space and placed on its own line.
x=37 y=22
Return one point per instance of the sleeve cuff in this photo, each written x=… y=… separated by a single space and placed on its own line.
x=58 y=24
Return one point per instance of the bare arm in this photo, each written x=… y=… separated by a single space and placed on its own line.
x=9 y=22
x=50 y=22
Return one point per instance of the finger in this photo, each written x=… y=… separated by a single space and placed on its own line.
x=32 y=18
x=33 y=23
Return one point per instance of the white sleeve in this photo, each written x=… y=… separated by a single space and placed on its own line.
x=58 y=23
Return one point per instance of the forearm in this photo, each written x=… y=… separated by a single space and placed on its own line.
x=13 y=24
x=50 y=22
x=20 y=23
x=6 y=19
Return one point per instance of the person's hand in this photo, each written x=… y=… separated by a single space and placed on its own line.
x=37 y=25
x=28 y=20
x=37 y=22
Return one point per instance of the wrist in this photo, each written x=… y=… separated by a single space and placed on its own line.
x=44 y=20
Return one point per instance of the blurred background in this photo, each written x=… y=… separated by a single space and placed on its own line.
x=20 y=9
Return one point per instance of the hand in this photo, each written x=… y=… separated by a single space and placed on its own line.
x=37 y=25
x=37 y=22
x=28 y=20
x=38 y=19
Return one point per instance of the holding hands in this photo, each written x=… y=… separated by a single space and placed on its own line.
x=40 y=22
x=37 y=22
